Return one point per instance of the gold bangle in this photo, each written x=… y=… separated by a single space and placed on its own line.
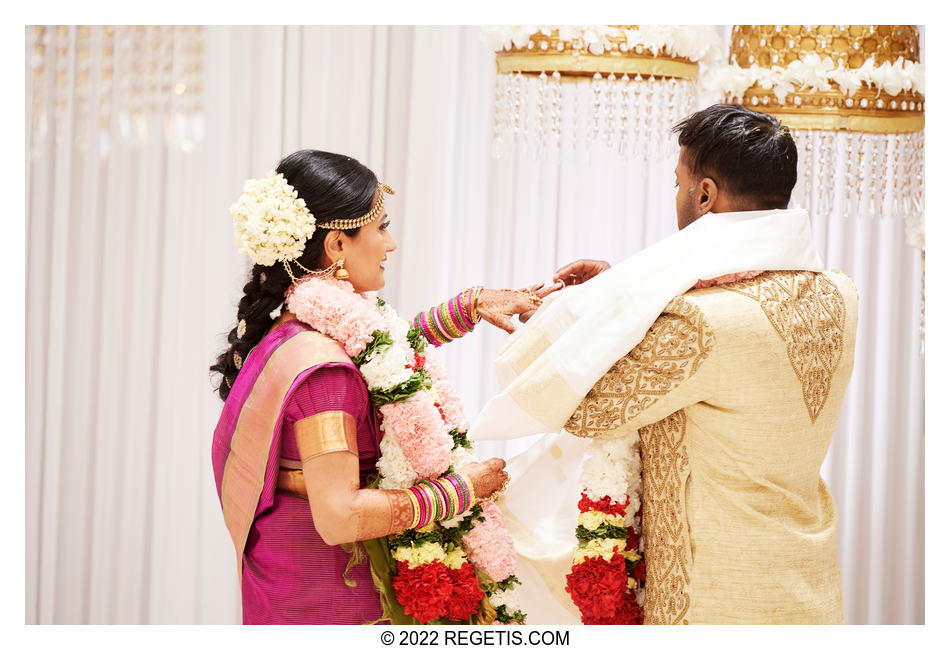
x=446 y=317
x=416 y=511
x=452 y=495
x=475 y=293
x=469 y=487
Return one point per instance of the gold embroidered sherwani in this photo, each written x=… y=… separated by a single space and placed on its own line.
x=735 y=391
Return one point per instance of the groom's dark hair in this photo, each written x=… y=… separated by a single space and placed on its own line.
x=749 y=154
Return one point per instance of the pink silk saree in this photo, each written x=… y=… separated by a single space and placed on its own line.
x=288 y=573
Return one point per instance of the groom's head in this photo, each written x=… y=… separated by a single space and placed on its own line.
x=732 y=159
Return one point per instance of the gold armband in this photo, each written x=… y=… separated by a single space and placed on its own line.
x=325 y=433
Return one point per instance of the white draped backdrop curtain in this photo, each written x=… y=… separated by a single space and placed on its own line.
x=133 y=280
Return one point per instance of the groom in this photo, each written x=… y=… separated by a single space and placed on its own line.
x=728 y=349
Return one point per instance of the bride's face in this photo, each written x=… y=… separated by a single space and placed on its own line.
x=365 y=254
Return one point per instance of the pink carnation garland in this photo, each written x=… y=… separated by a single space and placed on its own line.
x=420 y=425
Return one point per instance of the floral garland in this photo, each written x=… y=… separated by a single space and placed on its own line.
x=445 y=570
x=608 y=571
x=817 y=73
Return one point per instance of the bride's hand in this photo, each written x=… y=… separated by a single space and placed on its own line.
x=497 y=306
x=487 y=477
x=580 y=271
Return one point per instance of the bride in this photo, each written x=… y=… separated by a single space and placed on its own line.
x=328 y=395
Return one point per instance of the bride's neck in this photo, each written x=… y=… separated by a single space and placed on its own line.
x=284 y=317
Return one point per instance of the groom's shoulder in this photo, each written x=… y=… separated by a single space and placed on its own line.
x=771 y=292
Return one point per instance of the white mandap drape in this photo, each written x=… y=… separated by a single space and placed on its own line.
x=133 y=279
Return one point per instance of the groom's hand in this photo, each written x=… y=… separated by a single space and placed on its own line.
x=570 y=274
x=580 y=271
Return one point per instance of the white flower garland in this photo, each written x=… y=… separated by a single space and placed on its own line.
x=815 y=72
x=611 y=468
x=689 y=42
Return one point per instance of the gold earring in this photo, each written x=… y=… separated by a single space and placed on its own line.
x=341 y=273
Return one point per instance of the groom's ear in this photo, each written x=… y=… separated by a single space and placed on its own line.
x=707 y=195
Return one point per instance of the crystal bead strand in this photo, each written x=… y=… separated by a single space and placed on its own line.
x=65 y=74
x=153 y=79
x=672 y=89
x=798 y=191
x=576 y=90
x=829 y=171
x=906 y=170
x=820 y=206
x=123 y=82
x=638 y=149
x=849 y=174
x=650 y=119
x=873 y=209
x=807 y=171
x=539 y=145
x=194 y=94
x=516 y=112
x=556 y=110
x=594 y=131
x=167 y=67
x=918 y=178
x=84 y=70
x=860 y=193
x=496 y=141
x=893 y=164
x=107 y=89
x=625 y=116
x=611 y=101
x=38 y=55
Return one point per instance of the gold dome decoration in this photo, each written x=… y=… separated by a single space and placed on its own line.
x=850 y=45
x=880 y=63
x=573 y=57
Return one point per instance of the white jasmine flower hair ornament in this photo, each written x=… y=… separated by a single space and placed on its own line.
x=270 y=223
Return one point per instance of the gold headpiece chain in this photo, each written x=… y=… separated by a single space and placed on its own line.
x=347 y=224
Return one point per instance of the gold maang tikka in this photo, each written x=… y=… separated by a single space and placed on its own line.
x=336 y=268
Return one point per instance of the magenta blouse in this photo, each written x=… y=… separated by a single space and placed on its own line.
x=291 y=576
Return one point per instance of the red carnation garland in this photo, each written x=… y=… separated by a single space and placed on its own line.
x=608 y=571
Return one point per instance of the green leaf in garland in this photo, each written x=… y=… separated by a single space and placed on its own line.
x=416 y=339
x=460 y=439
x=604 y=531
x=419 y=381
x=380 y=303
x=509 y=583
x=416 y=538
x=380 y=339
x=503 y=616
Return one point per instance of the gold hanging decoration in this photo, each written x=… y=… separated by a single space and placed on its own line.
x=853 y=98
x=579 y=85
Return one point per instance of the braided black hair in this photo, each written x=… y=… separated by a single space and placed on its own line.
x=333 y=186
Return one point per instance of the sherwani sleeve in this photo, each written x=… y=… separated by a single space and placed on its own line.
x=673 y=367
